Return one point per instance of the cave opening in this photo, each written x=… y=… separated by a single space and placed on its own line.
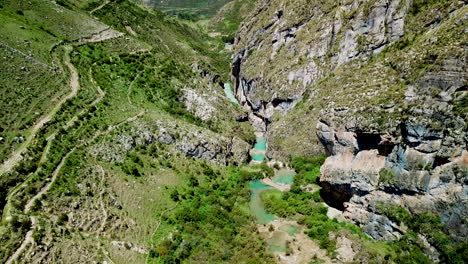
x=385 y=148
x=439 y=161
x=278 y=101
x=368 y=141
x=336 y=195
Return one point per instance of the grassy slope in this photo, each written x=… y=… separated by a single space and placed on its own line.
x=161 y=52
x=31 y=76
x=229 y=18
x=196 y=7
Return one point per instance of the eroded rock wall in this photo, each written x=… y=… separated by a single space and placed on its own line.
x=288 y=46
x=294 y=57
x=380 y=86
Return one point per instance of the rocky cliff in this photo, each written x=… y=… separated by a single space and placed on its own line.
x=380 y=86
x=189 y=139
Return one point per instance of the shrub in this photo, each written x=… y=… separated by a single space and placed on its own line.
x=212 y=222
x=394 y=212
x=63 y=218
x=387 y=176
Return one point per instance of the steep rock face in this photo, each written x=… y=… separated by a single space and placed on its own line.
x=380 y=85
x=287 y=46
x=290 y=52
x=389 y=169
x=205 y=99
x=419 y=162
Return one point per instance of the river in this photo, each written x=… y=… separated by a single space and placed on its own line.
x=276 y=231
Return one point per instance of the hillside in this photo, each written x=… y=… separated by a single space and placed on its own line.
x=105 y=104
x=267 y=131
x=194 y=7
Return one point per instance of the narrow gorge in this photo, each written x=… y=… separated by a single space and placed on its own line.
x=234 y=131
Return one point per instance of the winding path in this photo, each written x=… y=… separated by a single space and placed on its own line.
x=46 y=188
x=100 y=7
x=29 y=239
x=130 y=88
x=101 y=95
x=16 y=156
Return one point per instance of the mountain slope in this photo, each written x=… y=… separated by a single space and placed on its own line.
x=197 y=7
x=121 y=106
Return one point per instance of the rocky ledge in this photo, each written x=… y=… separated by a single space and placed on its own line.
x=191 y=140
x=416 y=167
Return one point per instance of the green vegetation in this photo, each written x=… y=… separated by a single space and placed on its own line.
x=139 y=76
x=308 y=169
x=155 y=83
x=212 y=223
x=228 y=20
x=307 y=208
x=192 y=8
x=387 y=176
x=149 y=195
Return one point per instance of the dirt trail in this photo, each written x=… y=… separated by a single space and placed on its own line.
x=101 y=95
x=100 y=7
x=101 y=200
x=16 y=156
x=130 y=88
x=27 y=240
x=281 y=187
x=46 y=188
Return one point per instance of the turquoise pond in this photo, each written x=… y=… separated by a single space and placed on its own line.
x=258 y=157
x=260 y=144
x=260 y=148
x=278 y=240
x=229 y=93
x=283 y=176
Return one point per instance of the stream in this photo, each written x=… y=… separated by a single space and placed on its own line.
x=277 y=232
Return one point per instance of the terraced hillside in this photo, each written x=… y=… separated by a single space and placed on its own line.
x=105 y=106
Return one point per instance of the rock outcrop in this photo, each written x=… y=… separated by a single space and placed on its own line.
x=420 y=163
x=390 y=169
x=191 y=140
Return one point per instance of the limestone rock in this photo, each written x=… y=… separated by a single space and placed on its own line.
x=193 y=141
